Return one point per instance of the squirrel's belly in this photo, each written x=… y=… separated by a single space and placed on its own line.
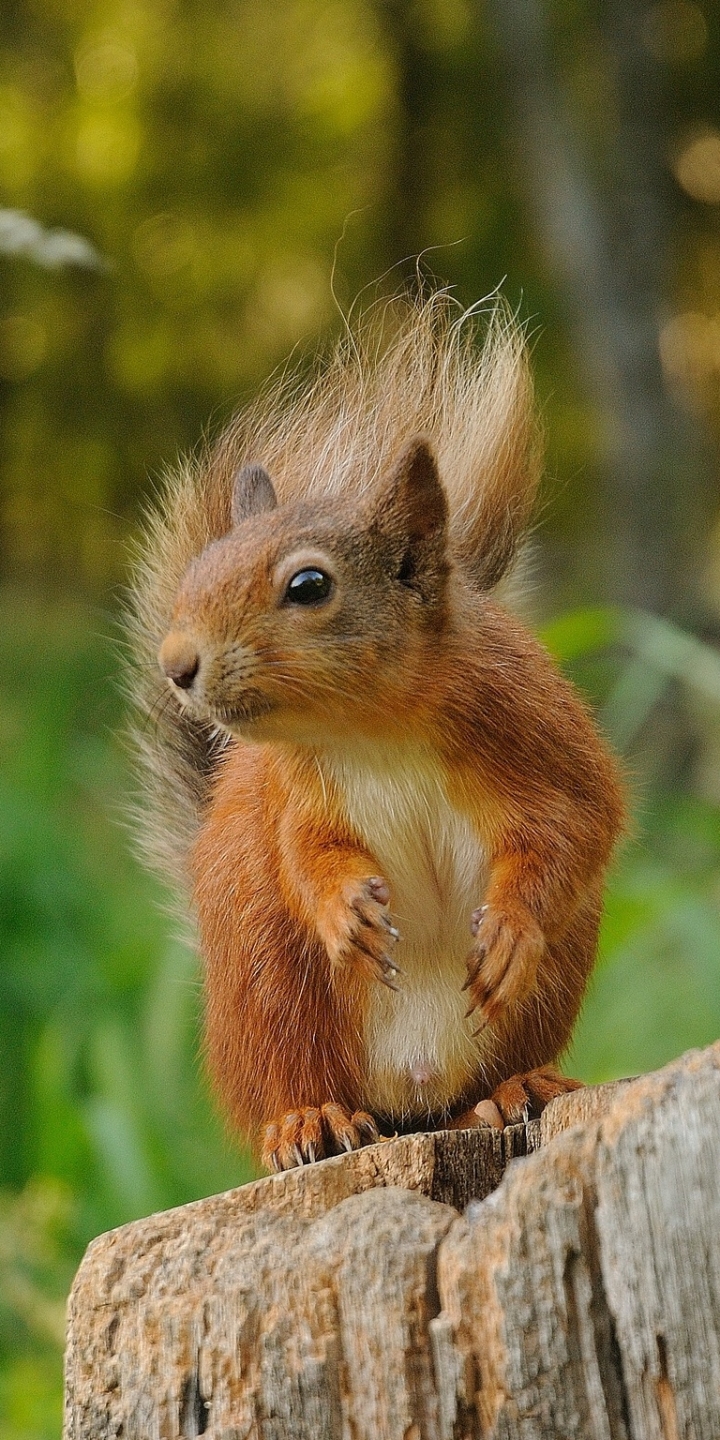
x=420 y=1055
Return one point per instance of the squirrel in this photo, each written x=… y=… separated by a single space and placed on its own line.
x=392 y=813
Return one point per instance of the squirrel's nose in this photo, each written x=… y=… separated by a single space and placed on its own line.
x=179 y=659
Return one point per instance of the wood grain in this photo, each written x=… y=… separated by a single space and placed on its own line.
x=579 y=1294
x=583 y=1297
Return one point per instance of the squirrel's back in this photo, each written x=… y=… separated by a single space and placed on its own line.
x=406 y=370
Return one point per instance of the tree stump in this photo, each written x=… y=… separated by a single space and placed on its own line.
x=577 y=1296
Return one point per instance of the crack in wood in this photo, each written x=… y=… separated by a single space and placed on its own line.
x=194 y=1409
x=667 y=1407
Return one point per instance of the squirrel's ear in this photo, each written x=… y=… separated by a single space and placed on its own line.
x=413 y=516
x=415 y=498
x=252 y=493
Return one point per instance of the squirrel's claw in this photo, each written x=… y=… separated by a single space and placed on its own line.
x=391 y=929
x=476 y=919
x=367 y=1127
x=304 y=1136
x=387 y=972
x=523 y=1097
x=474 y=964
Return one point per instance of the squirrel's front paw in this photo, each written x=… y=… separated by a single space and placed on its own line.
x=503 y=962
x=356 y=928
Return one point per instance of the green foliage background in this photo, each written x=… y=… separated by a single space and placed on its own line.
x=224 y=159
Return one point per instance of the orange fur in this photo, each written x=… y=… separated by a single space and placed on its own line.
x=406 y=369
x=282 y=1026
x=284 y=1023
x=401 y=756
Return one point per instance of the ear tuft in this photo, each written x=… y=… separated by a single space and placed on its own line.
x=252 y=494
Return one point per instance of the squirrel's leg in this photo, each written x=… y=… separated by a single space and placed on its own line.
x=282 y=1031
x=332 y=887
x=283 y=1026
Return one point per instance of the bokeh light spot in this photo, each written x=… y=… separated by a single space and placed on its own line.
x=690 y=354
x=696 y=166
x=106 y=68
x=289 y=298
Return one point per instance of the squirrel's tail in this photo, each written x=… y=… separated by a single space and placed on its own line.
x=406 y=368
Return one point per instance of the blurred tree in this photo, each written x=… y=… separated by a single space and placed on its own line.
x=604 y=211
x=213 y=156
x=217 y=155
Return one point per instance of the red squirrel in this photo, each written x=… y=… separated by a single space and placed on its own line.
x=392 y=813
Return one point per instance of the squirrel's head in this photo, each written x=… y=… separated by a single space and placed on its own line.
x=308 y=619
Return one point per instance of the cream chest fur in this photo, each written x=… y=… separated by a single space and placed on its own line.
x=420 y=1050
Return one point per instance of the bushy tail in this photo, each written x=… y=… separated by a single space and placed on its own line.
x=405 y=369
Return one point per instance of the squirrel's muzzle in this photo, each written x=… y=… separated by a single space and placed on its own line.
x=179 y=659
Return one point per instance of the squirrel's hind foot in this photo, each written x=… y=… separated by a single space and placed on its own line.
x=303 y=1136
x=521 y=1098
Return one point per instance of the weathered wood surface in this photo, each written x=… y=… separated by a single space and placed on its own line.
x=351 y=1300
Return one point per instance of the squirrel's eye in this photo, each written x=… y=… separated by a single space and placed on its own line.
x=308 y=587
